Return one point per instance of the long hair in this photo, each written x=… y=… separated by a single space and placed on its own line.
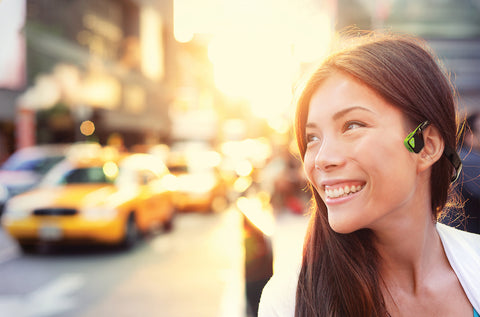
x=339 y=274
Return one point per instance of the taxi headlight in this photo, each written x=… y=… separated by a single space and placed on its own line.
x=99 y=213
x=14 y=210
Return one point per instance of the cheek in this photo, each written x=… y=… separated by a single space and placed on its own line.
x=309 y=166
x=388 y=164
x=380 y=149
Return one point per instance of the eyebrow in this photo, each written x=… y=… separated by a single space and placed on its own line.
x=343 y=112
x=340 y=114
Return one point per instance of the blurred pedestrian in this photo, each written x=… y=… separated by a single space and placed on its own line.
x=468 y=217
x=376 y=129
x=258 y=264
x=473 y=131
x=4 y=153
x=283 y=178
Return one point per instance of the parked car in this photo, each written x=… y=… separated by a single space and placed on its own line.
x=109 y=199
x=25 y=168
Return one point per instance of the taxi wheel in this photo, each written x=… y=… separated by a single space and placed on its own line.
x=131 y=232
x=28 y=247
x=168 y=224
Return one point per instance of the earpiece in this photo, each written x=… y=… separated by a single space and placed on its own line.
x=414 y=143
x=414 y=140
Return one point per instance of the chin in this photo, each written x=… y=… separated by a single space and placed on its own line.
x=343 y=227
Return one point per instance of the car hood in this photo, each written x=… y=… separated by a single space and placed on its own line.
x=70 y=196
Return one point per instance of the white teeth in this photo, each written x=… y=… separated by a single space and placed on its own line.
x=342 y=191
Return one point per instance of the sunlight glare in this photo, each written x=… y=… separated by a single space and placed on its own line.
x=193 y=16
x=258 y=47
x=259 y=214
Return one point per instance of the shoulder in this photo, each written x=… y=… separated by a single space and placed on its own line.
x=455 y=240
x=278 y=296
x=463 y=252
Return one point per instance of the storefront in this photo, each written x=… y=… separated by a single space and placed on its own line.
x=85 y=63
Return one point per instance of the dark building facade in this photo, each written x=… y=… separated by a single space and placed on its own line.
x=113 y=63
x=451 y=27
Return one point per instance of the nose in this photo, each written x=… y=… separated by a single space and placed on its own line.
x=330 y=155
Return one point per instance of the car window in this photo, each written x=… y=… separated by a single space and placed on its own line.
x=86 y=175
x=38 y=165
x=24 y=165
x=46 y=164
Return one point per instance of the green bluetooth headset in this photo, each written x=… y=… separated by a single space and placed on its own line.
x=414 y=143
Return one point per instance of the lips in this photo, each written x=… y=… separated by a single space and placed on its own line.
x=343 y=190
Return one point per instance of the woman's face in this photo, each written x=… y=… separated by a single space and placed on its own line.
x=355 y=157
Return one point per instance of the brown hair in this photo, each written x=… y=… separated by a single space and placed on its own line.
x=339 y=275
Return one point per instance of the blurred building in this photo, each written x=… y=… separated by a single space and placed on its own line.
x=112 y=62
x=12 y=69
x=452 y=28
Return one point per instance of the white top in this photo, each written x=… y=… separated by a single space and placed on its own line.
x=463 y=253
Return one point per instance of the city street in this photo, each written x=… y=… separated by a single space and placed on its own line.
x=193 y=118
x=197 y=269
x=194 y=270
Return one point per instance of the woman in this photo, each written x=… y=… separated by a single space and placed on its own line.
x=373 y=246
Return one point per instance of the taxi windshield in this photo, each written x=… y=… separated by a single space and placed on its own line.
x=86 y=176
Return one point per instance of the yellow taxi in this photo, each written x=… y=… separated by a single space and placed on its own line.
x=108 y=199
x=198 y=185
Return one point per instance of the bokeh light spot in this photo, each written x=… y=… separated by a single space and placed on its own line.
x=87 y=127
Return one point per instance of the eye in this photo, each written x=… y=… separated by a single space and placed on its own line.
x=311 y=138
x=351 y=125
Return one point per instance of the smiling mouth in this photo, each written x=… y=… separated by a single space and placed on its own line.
x=343 y=191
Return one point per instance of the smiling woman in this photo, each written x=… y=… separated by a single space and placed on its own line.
x=347 y=153
x=373 y=246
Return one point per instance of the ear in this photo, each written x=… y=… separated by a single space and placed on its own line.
x=433 y=149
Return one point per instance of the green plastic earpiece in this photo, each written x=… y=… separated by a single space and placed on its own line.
x=414 y=140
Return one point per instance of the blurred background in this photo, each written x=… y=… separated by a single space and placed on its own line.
x=148 y=165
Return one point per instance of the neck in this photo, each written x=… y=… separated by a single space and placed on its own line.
x=408 y=256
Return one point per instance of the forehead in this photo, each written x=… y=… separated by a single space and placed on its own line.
x=339 y=92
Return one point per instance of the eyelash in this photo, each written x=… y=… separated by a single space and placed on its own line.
x=346 y=127
x=309 y=137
